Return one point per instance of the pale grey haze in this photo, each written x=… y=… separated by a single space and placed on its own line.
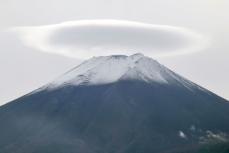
x=24 y=68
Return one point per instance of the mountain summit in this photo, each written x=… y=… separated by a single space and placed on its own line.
x=110 y=69
x=116 y=104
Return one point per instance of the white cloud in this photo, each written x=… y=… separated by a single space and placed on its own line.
x=86 y=38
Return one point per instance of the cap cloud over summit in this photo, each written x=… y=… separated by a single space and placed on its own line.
x=86 y=38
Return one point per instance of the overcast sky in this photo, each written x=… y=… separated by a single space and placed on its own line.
x=23 y=68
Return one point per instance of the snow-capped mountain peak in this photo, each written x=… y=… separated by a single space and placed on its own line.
x=110 y=69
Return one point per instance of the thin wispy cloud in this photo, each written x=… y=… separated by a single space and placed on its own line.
x=86 y=38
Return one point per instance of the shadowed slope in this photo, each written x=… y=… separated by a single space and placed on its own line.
x=129 y=115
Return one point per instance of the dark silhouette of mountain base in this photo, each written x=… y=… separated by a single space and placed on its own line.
x=126 y=116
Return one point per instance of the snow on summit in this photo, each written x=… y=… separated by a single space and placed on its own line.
x=109 y=69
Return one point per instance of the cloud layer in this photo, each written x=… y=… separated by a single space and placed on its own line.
x=86 y=38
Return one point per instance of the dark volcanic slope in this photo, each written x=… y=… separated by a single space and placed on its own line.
x=125 y=116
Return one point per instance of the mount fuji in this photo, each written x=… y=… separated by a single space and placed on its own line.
x=116 y=104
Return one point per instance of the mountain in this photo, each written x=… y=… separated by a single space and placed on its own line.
x=116 y=104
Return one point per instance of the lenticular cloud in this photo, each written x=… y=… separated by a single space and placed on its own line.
x=83 y=39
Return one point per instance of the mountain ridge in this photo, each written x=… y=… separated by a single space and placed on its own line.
x=126 y=115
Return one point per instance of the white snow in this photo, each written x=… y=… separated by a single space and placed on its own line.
x=109 y=69
x=182 y=135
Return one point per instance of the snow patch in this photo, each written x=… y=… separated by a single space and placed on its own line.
x=182 y=135
x=214 y=137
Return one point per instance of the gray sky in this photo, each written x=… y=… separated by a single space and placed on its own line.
x=24 y=69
